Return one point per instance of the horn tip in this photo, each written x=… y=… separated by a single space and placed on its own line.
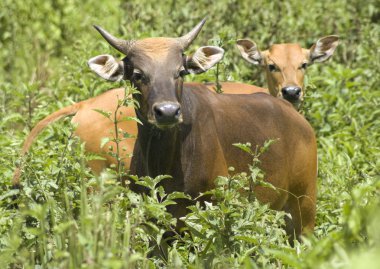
x=203 y=21
x=97 y=27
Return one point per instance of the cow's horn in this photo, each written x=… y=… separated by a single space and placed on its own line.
x=121 y=45
x=189 y=37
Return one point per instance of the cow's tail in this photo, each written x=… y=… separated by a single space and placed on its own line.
x=63 y=112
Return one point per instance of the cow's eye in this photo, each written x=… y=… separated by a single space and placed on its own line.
x=272 y=68
x=183 y=72
x=303 y=66
x=137 y=75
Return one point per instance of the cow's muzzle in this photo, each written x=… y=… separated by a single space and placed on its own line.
x=167 y=114
x=291 y=93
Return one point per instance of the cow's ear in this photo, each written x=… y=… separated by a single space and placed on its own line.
x=107 y=67
x=323 y=49
x=203 y=59
x=248 y=49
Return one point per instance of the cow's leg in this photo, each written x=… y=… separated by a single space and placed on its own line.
x=308 y=212
x=302 y=210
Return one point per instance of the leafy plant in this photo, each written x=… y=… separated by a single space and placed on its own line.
x=68 y=218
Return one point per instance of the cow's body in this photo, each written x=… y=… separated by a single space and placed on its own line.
x=200 y=148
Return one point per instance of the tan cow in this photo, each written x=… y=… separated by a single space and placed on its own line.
x=285 y=64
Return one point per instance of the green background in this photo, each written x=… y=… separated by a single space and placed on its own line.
x=44 y=47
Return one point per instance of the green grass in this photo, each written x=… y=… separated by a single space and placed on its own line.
x=67 y=218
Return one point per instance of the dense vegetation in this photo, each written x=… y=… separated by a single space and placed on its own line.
x=44 y=46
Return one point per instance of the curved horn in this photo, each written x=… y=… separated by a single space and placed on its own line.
x=189 y=37
x=121 y=45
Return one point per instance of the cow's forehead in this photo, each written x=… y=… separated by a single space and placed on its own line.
x=158 y=49
x=286 y=53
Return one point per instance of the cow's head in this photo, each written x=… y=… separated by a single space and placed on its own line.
x=285 y=64
x=156 y=67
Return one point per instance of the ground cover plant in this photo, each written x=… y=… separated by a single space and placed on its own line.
x=68 y=218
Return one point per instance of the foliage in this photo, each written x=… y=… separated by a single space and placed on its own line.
x=68 y=218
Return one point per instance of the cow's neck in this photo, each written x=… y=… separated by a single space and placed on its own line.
x=160 y=150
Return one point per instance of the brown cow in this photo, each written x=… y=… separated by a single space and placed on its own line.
x=188 y=131
x=285 y=64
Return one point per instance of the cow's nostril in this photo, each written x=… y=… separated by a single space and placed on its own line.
x=158 y=111
x=178 y=112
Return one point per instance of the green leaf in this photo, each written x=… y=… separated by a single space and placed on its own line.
x=104 y=113
x=245 y=147
x=104 y=141
x=251 y=240
x=62 y=227
x=287 y=256
x=9 y=194
x=266 y=185
x=131 y=118
x=178 y=195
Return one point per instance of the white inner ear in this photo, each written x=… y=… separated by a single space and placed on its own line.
x=249 y=51
x=107 y=67
x=206 y=57
x=323 y=50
